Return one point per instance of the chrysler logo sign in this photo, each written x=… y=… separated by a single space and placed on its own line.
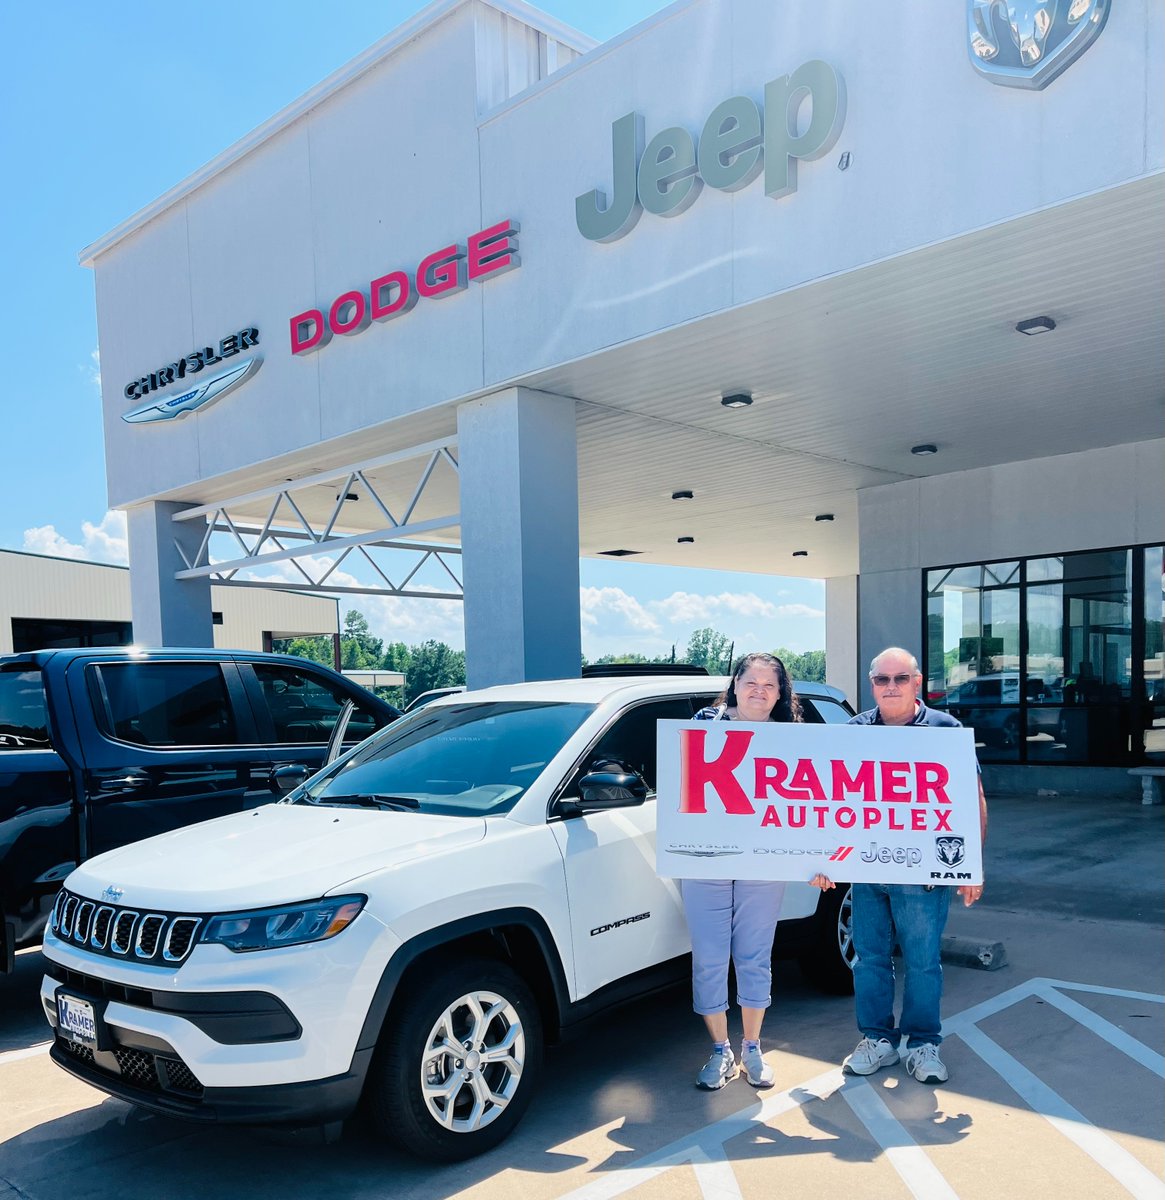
x=1028 y=43
x=166 y=408
x=736 y=144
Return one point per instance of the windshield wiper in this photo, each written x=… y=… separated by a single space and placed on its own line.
x=370 y=800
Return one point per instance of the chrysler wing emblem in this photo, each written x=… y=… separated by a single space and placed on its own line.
x=1027 y=43
x=113 y=892
x=705 y=853
x=204 y=394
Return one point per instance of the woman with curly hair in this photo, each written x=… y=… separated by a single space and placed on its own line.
x=737 y=918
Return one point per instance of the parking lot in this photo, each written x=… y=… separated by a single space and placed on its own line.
x=1055 y=1088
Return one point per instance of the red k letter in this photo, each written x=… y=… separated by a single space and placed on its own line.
x=696 y=771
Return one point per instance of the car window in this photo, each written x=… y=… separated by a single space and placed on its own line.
x=821 y=710
x=23 y=724
x=631 y=739
x=304 y=706
x=166 y=703
x=458 y=759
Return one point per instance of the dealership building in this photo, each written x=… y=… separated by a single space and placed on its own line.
x=810 y=288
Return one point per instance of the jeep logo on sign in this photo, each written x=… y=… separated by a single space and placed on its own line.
x=736 y=144
x=1028 y=43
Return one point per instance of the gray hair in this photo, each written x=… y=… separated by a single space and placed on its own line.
x=914 y=668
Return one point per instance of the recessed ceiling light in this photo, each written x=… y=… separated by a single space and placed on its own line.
x=824 y=517
x=347 y=496
x=736 y=400
x=1035 y=325
x=685 y=541
x=618 y=553
x=685 y=495
x=800 y=553
x=924 y=448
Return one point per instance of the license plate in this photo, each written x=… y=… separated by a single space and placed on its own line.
x=76 y=1020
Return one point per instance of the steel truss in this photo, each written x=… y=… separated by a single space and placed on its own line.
x=287 y=535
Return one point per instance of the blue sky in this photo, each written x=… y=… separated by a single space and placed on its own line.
x=108 y=106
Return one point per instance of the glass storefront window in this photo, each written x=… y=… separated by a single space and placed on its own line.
x=1044 y=658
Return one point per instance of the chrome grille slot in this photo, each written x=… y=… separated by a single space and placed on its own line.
x=149 y=931
x=68 y=912
x=123 y=927
x=57 y=906
x=179 y=938
x=83 y=920
x=101 y=922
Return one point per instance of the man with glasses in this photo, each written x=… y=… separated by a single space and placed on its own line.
x=910 y=915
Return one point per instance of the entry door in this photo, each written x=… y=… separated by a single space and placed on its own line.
x=623 y=916
x=176 y=745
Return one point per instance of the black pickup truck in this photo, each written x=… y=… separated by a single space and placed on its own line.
x=103 y=747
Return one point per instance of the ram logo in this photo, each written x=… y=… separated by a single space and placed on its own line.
x=950 y=851
x=1028 y=43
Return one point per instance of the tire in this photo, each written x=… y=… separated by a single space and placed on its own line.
x=427 y=1100
x=829 y=966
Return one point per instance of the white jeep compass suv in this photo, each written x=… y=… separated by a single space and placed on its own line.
x=408 y=926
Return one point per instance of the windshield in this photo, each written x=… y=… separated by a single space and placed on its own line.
x=22 y=710
x=455 y=759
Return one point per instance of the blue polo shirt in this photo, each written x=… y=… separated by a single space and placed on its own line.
x=922 y=716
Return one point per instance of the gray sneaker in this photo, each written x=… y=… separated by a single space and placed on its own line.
x=869 y=1056
x=925 y=1065
x=756 y=1070
x=720 y=1069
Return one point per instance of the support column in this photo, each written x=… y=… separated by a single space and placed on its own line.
x=519 y=537
x=841 y=635
x=166 y=611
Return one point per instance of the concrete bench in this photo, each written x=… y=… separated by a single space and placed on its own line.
x=1150 y=783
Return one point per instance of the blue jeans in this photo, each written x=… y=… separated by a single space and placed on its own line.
x=914 y=918
x=731 y=918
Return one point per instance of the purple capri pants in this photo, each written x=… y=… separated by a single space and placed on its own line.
x=731 y=918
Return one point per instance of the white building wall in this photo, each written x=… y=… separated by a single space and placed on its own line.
x=1013 y=510
x=63 y=589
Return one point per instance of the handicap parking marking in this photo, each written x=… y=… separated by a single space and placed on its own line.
x=704 y=1150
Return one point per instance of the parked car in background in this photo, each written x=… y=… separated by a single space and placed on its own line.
x=990 y=705
x=103 y=747
x=431 y=695
x=410 y=926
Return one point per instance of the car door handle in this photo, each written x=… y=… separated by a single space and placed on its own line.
x=131 y=781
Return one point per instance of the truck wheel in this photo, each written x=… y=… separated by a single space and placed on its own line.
x=457 y=1061
x=829 y=966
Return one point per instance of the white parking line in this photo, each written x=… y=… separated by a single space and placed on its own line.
x=28 y=1052
x=919 y=1174
x=703 y=1149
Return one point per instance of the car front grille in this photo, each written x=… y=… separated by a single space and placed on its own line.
x=161 y=939
x=162 y=1073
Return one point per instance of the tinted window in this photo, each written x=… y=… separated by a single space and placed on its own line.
x=304 y=706
x=823 y=711
x=167 y=703
x=462 y=759
x=631 y=739
x=22 y=711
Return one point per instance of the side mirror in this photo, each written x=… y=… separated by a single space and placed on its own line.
x=284 y=778
x=600 y=790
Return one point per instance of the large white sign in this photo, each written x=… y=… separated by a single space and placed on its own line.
x=859 y=803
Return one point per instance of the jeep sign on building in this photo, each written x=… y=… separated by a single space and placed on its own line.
x=498 y=281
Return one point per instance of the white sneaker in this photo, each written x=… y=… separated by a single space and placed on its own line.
x=869 y=1056
x=925 y=1065
x=720 y=1069
x=756 y=1070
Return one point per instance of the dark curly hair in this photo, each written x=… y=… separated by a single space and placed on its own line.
x=787 y=708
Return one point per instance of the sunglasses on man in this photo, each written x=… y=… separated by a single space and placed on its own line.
x=885 y=680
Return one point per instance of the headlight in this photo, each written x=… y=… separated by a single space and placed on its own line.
x=269 y=928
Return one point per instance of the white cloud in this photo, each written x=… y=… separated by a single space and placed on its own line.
x=612 y=608
x=799 y=610
x=92 y=369
x=104 y=542
x=688 y=608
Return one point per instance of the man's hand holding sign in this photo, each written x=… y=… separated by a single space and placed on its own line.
x=794 y=801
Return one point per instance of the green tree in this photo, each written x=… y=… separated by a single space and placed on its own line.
x=808 y=667
x=359 y=650
x=707 y=648
x=317 y=649
x=433 y=664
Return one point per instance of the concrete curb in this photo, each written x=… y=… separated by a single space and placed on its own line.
x=974 y=953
